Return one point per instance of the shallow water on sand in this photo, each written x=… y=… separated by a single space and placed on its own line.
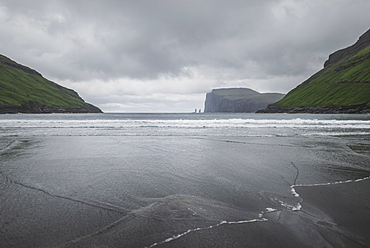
x=169 y=180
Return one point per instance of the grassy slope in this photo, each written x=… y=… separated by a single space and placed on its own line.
x=20 y=84
x=244 y=93
x=344 y=83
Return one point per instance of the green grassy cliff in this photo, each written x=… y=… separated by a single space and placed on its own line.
x=342 y=86
x=24 y=90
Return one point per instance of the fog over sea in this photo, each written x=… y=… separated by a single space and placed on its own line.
x=183 y=180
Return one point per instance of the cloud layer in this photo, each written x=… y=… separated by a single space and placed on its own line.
x=163 y=56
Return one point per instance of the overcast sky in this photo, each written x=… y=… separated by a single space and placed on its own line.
x=165 y=55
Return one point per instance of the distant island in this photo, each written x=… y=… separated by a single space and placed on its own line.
x=238 y=100
x=24 y=90
x=342 y=86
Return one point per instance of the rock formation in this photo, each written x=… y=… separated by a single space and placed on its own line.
x=239 y=100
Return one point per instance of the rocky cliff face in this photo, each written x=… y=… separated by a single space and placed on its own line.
x=362 y=43
x=238 y=100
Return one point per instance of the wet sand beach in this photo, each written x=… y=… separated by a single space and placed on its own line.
x=176 y=181
x=347 y=205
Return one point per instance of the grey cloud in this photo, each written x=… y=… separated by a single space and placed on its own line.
x=169 y=44
x=145 y=38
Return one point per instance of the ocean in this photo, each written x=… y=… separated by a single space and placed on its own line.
x=175 y=180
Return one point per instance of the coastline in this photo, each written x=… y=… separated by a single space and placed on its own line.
x=350 y=109
x=172 y=182
x=347 y=204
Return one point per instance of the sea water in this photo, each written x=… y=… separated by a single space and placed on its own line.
x=176 y=180
x=221 y=124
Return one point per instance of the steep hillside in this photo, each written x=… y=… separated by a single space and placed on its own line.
x=238 y=100
x=24 y=90
x=342 y=86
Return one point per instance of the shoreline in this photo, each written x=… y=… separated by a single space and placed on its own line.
x=346 y=204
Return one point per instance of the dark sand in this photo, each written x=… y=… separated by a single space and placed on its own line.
x=140 y=191
x=348 y=206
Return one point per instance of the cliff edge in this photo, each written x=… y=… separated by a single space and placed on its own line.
x=238 y=100
x=24 y=90
x=342 y=86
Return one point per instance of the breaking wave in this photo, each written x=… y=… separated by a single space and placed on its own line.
x=183 y=124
